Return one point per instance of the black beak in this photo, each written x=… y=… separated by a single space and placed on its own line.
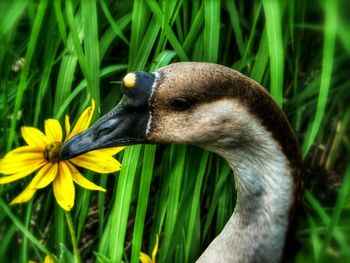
x=126 y=124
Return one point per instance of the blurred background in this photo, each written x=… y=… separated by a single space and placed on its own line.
x=57 y=55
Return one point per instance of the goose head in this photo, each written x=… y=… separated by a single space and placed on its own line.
x=203 y=104
x=223 y=111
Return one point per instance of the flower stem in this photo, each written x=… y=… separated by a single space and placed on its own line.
x=73 y=237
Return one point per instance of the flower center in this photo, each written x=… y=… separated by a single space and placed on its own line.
x=52 y=152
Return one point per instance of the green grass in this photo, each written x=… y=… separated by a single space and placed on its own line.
x=76 y=51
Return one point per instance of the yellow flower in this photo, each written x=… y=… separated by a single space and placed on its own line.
x=43 y=152
x=47 y=259
x=144 y=258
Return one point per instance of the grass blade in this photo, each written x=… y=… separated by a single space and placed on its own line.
x=139 y=18
x=90 y=23
x=343 y=193
x=261 y=59
x=235 y=22
x=145 y=184
x=22 y=228
x=25 y=72
x=119 y=215
x=272 y=10
x=178 y=157
x=195 y=203
x=327 y=67
x=211 y=30
x=168 y=31
x=60 y=21
x=118 y=31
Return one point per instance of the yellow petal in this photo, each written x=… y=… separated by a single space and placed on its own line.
x=144 y=258
x=67 y=125
x=24 y=196
x=48 y=259
x=22 y=159
x=53 y=130
x=97 y=161
x=84 y=120
x=82 y=181
x=63 y=187
x=111 y=151
x=47 y=174
x=155 y=249
x=20 y=175
x=26 y=149
x=34 y=137
x=30 y=190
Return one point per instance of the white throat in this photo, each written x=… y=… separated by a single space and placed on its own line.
x=155 y=82
x=257 y=229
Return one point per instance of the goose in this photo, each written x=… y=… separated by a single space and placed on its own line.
x=225 y=112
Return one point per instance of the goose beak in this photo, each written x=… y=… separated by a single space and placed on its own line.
x=120 y=127
x=126 y=124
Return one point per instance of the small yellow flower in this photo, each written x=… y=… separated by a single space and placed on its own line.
x=43 y=152
x=144 y=258
x=47 y=259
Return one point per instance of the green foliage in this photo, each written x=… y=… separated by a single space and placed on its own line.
x=299 y=50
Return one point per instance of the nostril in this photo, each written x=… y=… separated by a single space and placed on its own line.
x=102 y=132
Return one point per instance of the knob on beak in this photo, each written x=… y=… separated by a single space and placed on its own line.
x=126 y=124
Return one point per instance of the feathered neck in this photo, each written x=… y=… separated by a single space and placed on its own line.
x=264 y=177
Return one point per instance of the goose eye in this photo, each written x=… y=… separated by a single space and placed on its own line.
x=180 y=104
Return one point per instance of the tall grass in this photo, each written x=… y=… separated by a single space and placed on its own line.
x=76 y=51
